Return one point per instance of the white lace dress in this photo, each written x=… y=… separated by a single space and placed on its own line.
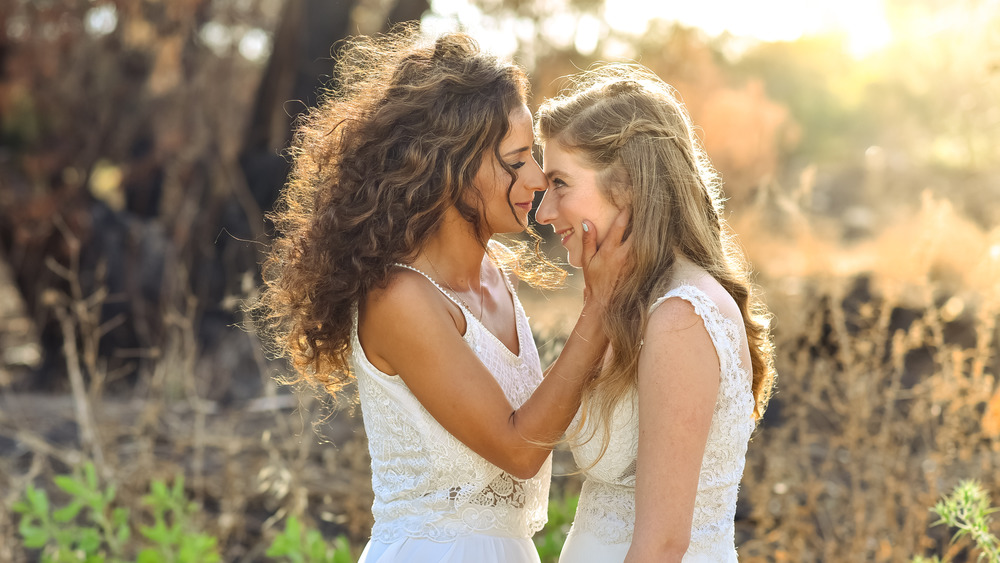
x=605 y=516
x=435 y=499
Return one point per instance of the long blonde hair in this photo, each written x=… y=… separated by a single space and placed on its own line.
x=628 y=125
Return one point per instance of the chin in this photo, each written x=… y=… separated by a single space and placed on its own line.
x=511 y=230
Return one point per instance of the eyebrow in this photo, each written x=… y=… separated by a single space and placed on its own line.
x=553 y=173
x=517 y=151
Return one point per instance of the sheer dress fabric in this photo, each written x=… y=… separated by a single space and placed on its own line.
x=605 y=516
x=436 y=500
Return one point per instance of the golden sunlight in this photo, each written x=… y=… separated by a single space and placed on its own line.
x=862 y=22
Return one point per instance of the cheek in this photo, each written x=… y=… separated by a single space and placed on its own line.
x=570 y=209
x=608 y=219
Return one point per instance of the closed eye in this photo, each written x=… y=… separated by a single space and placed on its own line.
x=517 y=165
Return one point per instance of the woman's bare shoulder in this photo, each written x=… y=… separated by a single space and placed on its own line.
x=406 y=295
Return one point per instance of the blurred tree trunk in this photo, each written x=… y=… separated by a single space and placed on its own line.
x=406 y=10
x=300 y=57
x=301 y=60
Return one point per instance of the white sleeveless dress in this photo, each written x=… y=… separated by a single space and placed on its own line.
x=436 y=500
x=605 y=516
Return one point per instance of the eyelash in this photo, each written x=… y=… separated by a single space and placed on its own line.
x=517 y=165
x=558 y=183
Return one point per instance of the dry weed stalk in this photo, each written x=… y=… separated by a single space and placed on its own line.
x=79 y=318
x=880 y=411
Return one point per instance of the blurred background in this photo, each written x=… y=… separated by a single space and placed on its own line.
x=141 y=145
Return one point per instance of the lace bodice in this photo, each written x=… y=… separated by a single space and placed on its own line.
x=427 y=483
x=607 y=501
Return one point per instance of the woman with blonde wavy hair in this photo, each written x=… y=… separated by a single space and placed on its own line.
x=663 y=429
x=383 y=273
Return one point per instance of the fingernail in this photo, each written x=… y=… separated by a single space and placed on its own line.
x=586 y=229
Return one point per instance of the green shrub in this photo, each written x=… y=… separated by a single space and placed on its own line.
x=968 y=510
x=551 y=538
x=90 y=529
x=299 y=545
x=172 y=532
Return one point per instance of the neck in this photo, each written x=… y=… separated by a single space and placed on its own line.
x=455 y=253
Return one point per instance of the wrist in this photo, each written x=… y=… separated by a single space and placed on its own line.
x=590 y=325
x=594 y=306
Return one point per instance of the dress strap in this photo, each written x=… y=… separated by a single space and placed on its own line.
x=446 y=293
x=724 y=331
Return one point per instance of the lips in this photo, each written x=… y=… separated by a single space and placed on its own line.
x=565 y=234
x=524 y=206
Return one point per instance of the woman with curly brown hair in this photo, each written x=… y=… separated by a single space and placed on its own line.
x=383 y=272
x=663 y=430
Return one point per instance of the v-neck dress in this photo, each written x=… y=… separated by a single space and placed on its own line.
x=436 y=500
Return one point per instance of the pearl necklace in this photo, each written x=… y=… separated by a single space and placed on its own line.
x=482 y=292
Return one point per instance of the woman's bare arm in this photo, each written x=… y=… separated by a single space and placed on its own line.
x=679 y=378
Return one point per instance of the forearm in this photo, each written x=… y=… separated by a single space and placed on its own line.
x=544 y=417
x=659 y=541
x=644 y=552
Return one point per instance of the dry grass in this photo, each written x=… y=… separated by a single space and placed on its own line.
x=887 y=394
x=248 y=465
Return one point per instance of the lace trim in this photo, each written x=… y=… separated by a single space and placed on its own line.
x=606 y=511
x=725 y=333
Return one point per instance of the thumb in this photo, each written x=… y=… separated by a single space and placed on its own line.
x=589 y=237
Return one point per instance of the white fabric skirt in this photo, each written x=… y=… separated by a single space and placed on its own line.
x=477 y=548
x=582 y=547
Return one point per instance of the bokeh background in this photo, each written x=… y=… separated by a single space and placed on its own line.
x=141 y=144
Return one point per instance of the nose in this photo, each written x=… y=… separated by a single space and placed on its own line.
x=535 y=179
x=546 y=211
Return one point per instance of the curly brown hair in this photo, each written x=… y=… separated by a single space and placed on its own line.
x=630 y=127
x=375 y=166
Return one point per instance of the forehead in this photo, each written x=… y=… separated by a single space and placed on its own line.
x=555 y=155
x=520 y=124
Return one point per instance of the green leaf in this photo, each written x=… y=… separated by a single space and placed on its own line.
x=123 y=533
x=70 y=485
x=279 y=547
x=156 y=533
x=38 y=499
x=178 y=489
x=34 y=537
x=89 y=540
x=20 y=507
x=159 y=490
x=315 y=547
x=342 y=550
x=68 y=512
x=150 y=555
x=119 y=516
x=198 y=548
x=65 y=535
x=293 y=529
x=175 y=534
x=109 y=495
